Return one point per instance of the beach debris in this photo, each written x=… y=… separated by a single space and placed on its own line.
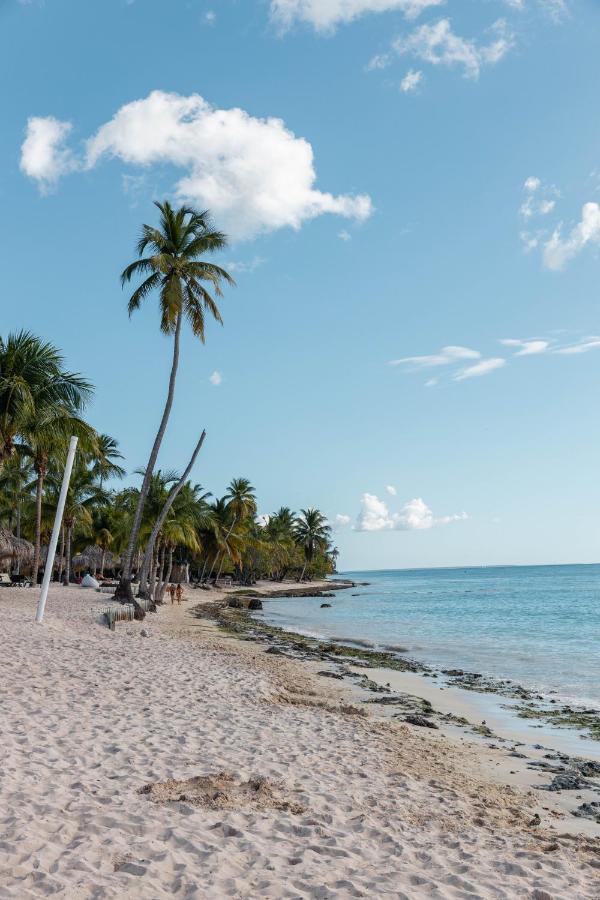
x=325 y=605
x=222 y=790
x=588 y=811
x=337 y=675
x=144 y=632
x=421 y=721
x=535 y=821
x=566 y=782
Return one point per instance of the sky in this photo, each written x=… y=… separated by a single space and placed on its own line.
x=411 y=189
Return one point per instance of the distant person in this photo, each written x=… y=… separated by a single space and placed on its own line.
x=172 y=593
x=179 y=593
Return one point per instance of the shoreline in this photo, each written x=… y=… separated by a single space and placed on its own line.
x=100 y=728
x=530 y=755
x=549 y=711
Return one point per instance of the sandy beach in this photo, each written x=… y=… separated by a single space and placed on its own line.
x=166 y=759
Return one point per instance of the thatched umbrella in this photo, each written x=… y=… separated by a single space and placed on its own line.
x=14 y=548
x=91 y=558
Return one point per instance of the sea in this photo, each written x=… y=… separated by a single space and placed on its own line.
x=536 y=625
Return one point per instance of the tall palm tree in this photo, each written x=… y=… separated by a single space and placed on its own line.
x=105 y=463
x=176 y=270
x=32 y=378
x=312 y=534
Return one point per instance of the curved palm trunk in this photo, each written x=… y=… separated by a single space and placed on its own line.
x=165 y=511
x=124 y=591
x=166 y=579
x=102 y=561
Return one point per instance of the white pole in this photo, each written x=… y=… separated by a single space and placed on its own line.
x=56 y=529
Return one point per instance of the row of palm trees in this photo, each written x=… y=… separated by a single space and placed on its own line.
x=212 y=536
x=154 y=526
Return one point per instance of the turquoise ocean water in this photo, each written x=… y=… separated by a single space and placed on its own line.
x=538 y=625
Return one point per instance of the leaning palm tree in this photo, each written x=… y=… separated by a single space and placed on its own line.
x=174 y=267
x=312 y=534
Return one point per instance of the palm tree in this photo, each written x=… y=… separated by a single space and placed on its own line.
x=174 y=269
x=312 y=534
x=45 y=440
x=105 y=463
x=241 y=505
x=82 y=497
x=32 y=379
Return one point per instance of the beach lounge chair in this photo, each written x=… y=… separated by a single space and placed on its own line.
x=5 y=580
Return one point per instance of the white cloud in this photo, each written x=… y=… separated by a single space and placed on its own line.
x=482 y=368
x=44 y=154
x=411 y=81
x=415 y=515
x=391 y=490
x=342 y=521
x=263 y=520
x=216 y=379
x=209 y=17
x=253 y=174
x=532 y=184
x=530 y=347
x=539 y=199
x=431 y=382
x=344 y=235
x=437 y=44
x=447 y=356
x=245 y=267
x=583 y=346
x=326 y=15
x=559 y=250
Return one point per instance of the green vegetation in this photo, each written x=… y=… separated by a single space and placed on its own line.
x=167 y=528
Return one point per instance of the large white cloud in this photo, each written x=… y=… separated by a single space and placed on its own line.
x=254 y=174
x=44 y=154
x=415 y=515
x=326 y=15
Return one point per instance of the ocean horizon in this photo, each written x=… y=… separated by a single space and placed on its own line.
x=536 y=625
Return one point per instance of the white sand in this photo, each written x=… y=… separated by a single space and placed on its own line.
x=87 y=717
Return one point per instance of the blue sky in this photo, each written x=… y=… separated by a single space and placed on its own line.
x=399 y=177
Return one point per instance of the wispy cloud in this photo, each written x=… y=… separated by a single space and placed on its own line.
x=481 y=368
x=326 y=15
x=446 y=357
x=246 y=266
x=411 y=81
x=559 y=245
x=216 y=379
x=582 y=346
x=528 y=347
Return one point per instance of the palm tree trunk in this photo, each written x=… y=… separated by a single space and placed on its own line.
x=18 y=534
x=67 y=575
x=124 y=592
x=39 y=489
x=166 y=580
x=62 y=553
x=102 y=561
x=167 y=506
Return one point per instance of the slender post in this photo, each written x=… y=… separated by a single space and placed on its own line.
x=56 y=530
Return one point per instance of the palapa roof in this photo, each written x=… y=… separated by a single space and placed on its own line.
x=12 y=547
x=92 y=557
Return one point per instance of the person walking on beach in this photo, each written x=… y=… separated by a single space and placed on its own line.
x=172 y=593
x=179 y=593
